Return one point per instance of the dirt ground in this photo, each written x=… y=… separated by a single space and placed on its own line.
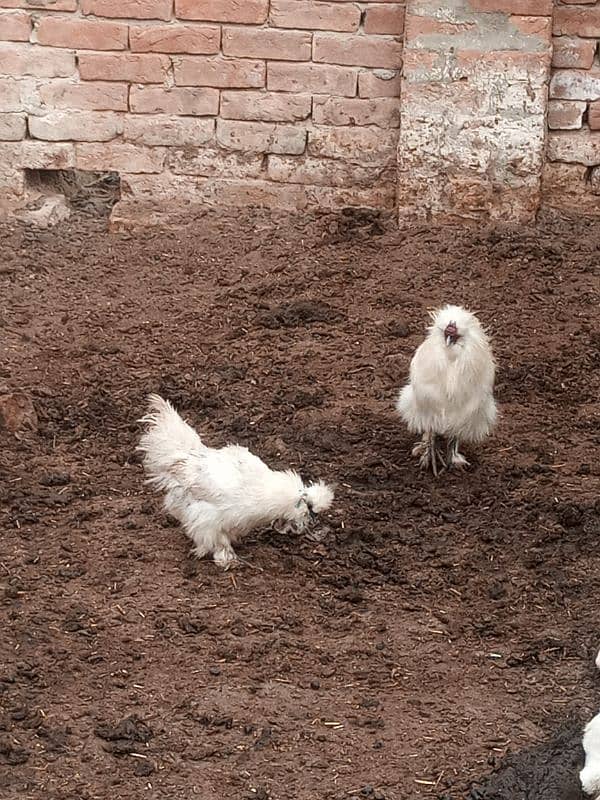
x=437 y=642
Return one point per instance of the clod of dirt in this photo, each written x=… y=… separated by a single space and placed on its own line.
x=297 y=313
x=122 y=737
x=17 y=412
x=55 y=479
x=11 y=755
x=550 y=770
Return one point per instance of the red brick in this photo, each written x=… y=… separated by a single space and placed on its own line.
x=85 y=96
x=39 y=62
x=533 y=26
x=46 y=5
x=79 y=126
x=540 y=8
x=86 y=34
x=210 y=162
x=168 y=130
x=185 y=101
x=383 y=112
x=581 y=147
x=261 y=137
x=12 y=127
x=565 y=115
x=46 y=155
x=123 y=67
x=314 y=15
x=175 y=38
x=356 y=145
x=384 y=19
x=362 y=51
x=130 y=9
x=15 y=26
x=379 y=83
x=573 y=53
x=314 y=78
x=245 y=11
x=265 y=106
x=119 y=157
x=577 y=21
x=575 y=84
x=266 y=43
x=594 y=116
x=227 y=73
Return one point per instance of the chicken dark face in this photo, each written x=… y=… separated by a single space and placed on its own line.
x=451 y=334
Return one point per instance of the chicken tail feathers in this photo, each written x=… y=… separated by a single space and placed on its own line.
x=167 y=441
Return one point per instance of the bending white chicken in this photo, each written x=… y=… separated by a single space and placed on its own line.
x=450 y=390
x=219 y=495
x=590 y=774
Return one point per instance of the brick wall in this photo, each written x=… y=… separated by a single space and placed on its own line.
x=288 y=103
x=296 y=103
x=572 y=171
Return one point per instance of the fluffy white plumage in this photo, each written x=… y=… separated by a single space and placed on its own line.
x=450 y=389
x=219 y=495
x=590 y=774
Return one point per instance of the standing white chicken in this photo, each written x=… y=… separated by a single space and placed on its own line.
x=219 y=495
x=450 y=390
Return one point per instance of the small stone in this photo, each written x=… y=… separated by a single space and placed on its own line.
x=17 y=412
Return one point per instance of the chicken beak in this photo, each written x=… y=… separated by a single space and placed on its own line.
x=448 y=341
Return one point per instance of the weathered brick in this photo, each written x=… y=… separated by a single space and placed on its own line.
x=568 y=187
x=10 y=95
x=134 y=9
x=83 y=33
x=384 y=19
x=565 y=114
x=573 y=84
x=573 y=53
x=529 y=7
x=251 y=12
x=594 y=116
x=357 y=145
x=265 y=106
x=314 y=15
x=84 y=96
x=321 y=172
x=383 y=112
x=12 y=127
x=261 y=137
x=576 y=21
x=15 y=26
x=226 y=73
x=175 y=38
x=119 y=157
x=315 y=78
x=211 y=162
x=267 y=43
x=46 y=5
x=79 y=126
x=187 y=101
x=150 y=68
x=532 y=26
x=46 y=155
x=169 y=131
x=582 y=147
x=379 y=83
x=39 y=62
x=362 y=51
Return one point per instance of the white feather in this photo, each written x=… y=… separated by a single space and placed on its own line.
x=590 y=774
x=219 y=495
x=450 y=390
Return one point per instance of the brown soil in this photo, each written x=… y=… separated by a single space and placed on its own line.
x=437 y=627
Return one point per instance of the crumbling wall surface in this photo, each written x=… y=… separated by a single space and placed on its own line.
x=288 y=103
x=572 y=169
x=473 y=124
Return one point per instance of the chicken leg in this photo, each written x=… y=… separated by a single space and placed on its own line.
x=428 y=453
x=453 y=457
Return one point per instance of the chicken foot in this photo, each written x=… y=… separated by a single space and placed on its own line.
x=453 y=457
x=429 y=454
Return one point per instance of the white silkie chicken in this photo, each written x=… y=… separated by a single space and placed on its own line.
x=590 y=774
x=219 y=495
x=450 y=389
